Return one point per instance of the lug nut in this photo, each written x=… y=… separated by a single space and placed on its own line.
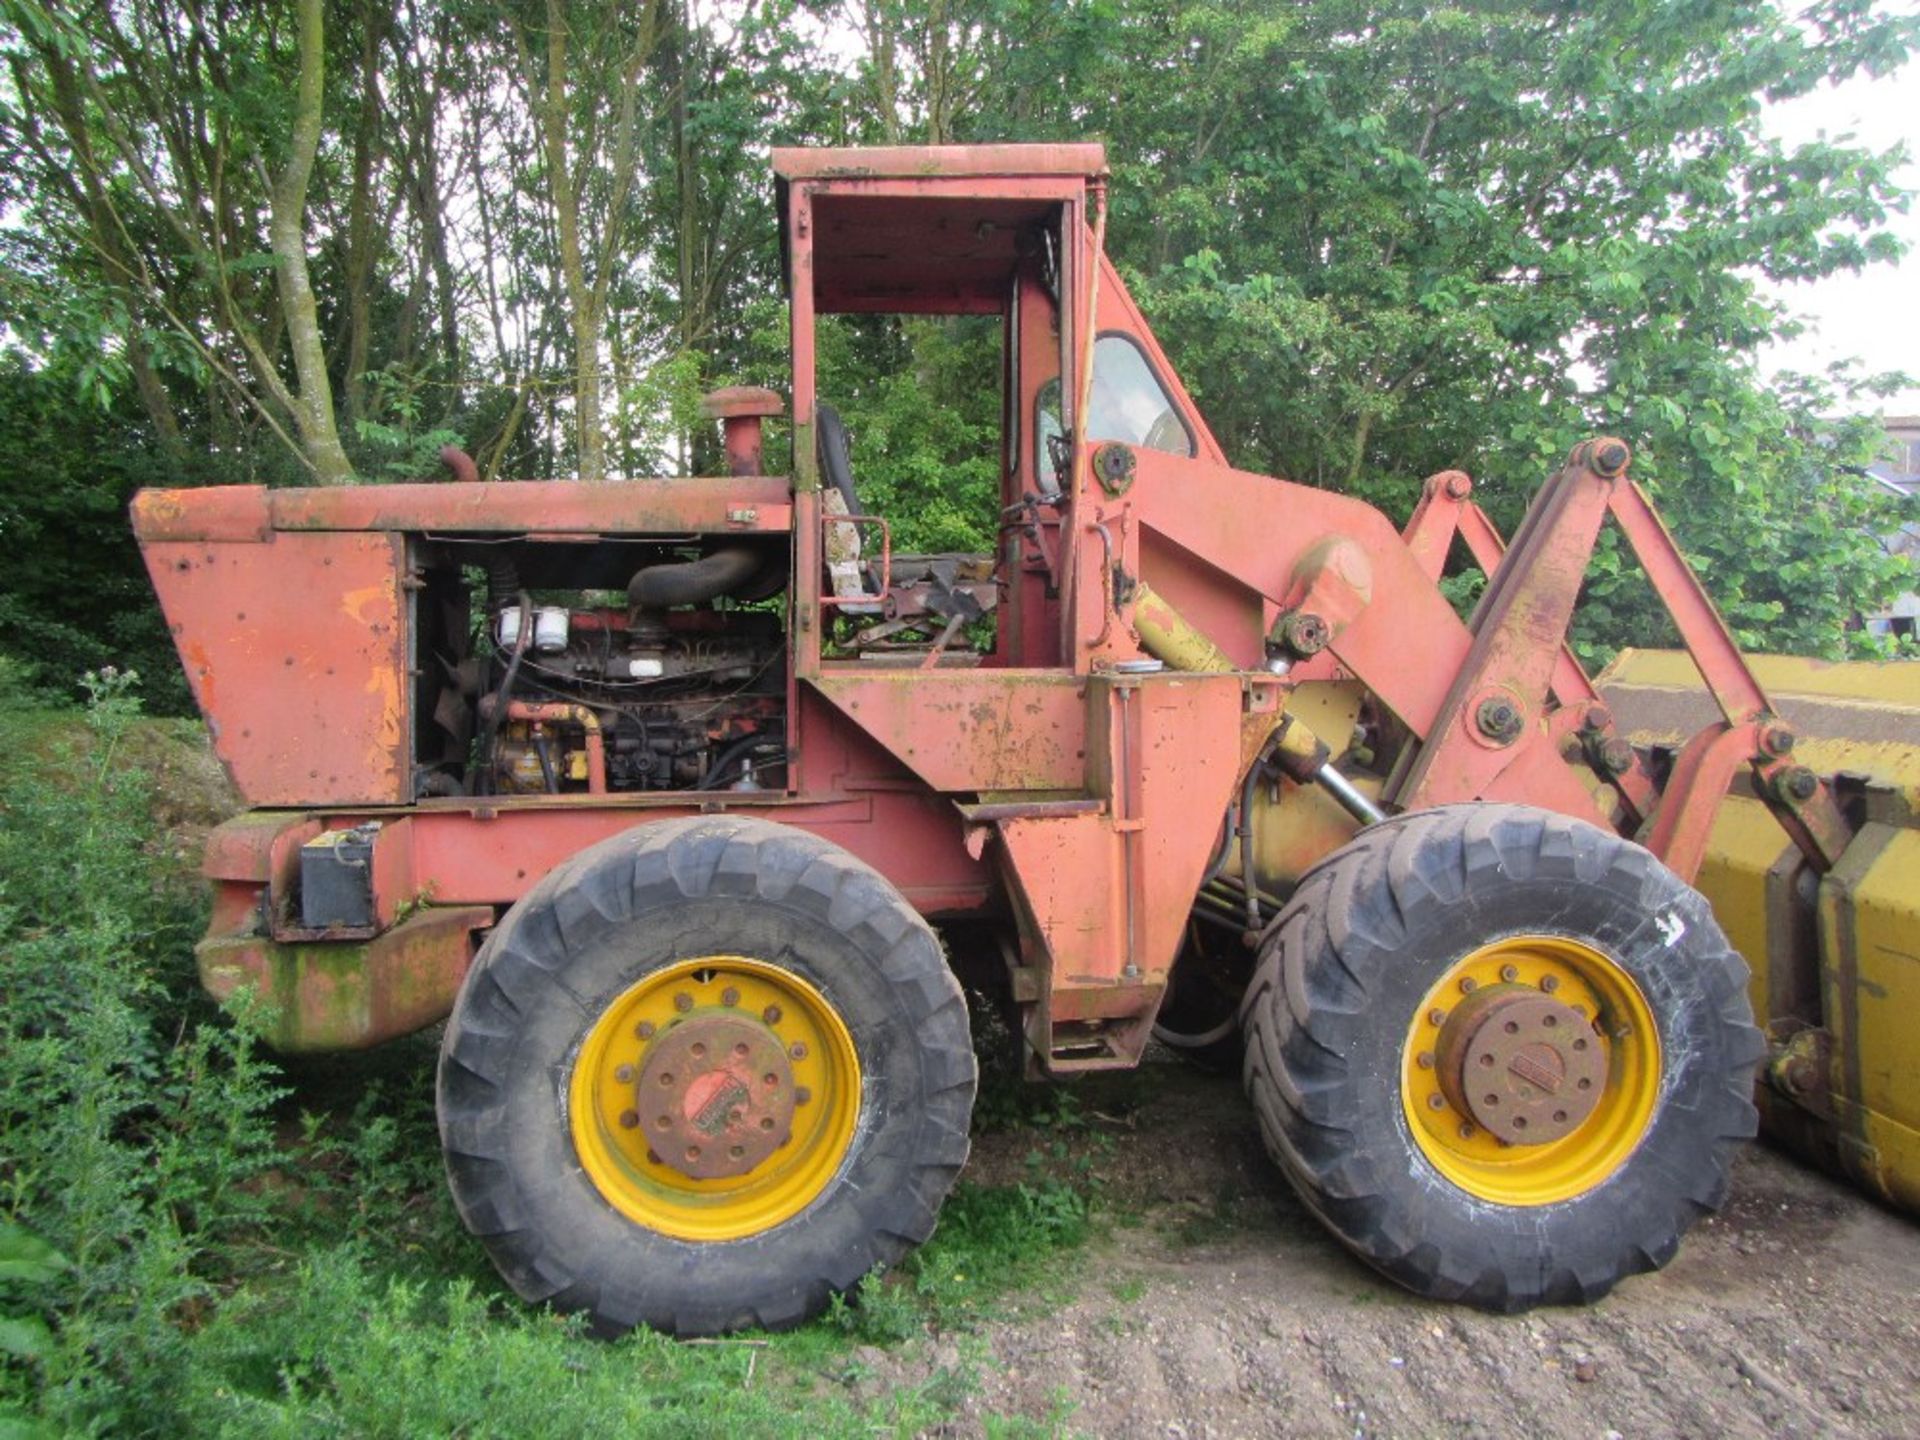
x=1466 y=1131
x=643 y=1031
x=1469 y=985
x=623 y=1074
x=1436 y=1016
x=683 y=1002
x=798 y=1050
x=771 y=1014
x=1436 y=1102
x=802 y=1095
x=1424 y=1059
x=629 y=1119
x=1549 y=983
x=730 y=996
x=1509 y=973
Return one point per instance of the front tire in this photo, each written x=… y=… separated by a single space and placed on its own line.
x=702 y=1077
x=1507 y=1057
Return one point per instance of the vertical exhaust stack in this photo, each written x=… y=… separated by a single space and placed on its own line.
x=742 y=411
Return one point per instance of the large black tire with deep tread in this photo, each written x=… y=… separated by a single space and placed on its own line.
x=1335 y=993
x=662 y=893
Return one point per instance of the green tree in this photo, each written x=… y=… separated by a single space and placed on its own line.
x=1382 y=239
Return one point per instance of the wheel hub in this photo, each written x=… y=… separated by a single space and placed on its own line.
x=1524 y=1066
x=716 y=1096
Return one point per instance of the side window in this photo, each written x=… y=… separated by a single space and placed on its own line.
x=1129 y=404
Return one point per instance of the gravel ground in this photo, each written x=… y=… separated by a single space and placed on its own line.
x=1217 y=1307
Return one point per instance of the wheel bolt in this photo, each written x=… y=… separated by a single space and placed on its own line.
x=629 y=1119
x=802 y=1095
x=1436 y=1016
x=730 y=996
x=1466 y=1131
x=623 y=1074
x=771 y=1014
x=1469 y=985
x=1509 y=973
x=643 y=1031
x=798 y=1050
x=1436 y=1102
x=1424 y=1059
x=683 y=1002
x=1549 y=983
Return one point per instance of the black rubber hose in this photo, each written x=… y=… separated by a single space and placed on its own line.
x=691 y=582
x=739 y=750
x=503 y=578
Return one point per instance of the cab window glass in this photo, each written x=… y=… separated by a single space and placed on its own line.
x=1129 y=404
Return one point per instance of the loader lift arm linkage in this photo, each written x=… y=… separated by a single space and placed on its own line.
x=1520 y=655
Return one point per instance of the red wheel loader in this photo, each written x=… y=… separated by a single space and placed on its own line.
x=651 y=790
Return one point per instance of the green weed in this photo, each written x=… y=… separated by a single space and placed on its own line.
x=268 y=1250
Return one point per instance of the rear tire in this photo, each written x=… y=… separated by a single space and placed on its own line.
x=741 y=927
x=1367 y=1099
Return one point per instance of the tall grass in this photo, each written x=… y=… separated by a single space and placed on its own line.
x=194 y=1241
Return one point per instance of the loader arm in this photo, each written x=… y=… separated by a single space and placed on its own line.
x=1520 y=673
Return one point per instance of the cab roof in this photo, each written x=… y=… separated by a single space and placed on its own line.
x=914 y=162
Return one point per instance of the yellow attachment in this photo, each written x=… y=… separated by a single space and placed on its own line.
x=1869 y=917
x=1856 y=715
x=1835 y=975
x=1597 y=989
x=610 y=1120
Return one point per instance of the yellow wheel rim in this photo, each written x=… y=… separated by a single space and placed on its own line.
x=714 y=1099
x=1463 y=1093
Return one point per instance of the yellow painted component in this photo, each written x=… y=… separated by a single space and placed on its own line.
x=1854 y=715
x=576 y=765
x=1848 y=965
x=1744 y=844
x=1870 y=983
x=1166 y=635
x=615 y=1156
x=1526 y=1175
x=1880 y=682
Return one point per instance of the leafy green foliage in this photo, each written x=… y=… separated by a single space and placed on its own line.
x=193 y=1241
x=74 y=595
x=131 y=1122
x=1381 y=240
x=921 y=400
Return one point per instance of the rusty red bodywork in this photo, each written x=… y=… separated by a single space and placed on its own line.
x=1059 y=781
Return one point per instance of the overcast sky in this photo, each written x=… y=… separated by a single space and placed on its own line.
x=1874 y=315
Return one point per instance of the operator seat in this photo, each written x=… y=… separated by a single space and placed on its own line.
x=848 y=572
x=836 y=462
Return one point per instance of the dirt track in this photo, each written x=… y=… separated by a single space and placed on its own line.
x=1225 y=1311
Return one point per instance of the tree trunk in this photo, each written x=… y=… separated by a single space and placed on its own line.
x=589 y=441
x=313 y=412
